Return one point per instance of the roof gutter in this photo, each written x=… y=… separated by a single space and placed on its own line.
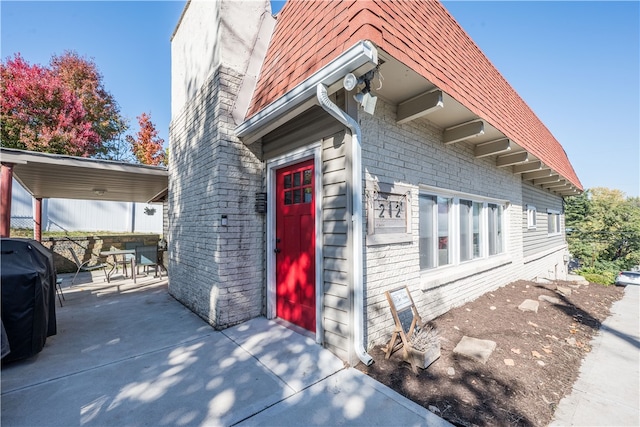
x=303 y=96
x=356 y=192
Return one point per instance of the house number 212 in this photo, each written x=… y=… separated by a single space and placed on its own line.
x=393 y=206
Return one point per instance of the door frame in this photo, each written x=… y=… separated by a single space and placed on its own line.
x=311 y=151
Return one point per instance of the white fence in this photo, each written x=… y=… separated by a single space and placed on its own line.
x=85 y=215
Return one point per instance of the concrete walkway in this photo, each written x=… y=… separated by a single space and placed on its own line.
x=130 y=355
x=607 y=392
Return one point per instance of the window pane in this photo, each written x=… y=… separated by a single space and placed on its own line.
x=477 y=242
x=553 y=223
x=296 y=196
x=307 y=195
x=500 y=237
x=287 y=197
x=426 y=242
x=531 y=217
x=287 y=181
x=296 y=179
x=465 y=230
x=492 y=229
x=307 y=177
x=444 y=206
x=495 y=229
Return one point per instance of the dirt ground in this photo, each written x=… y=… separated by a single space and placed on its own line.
x=534 y=365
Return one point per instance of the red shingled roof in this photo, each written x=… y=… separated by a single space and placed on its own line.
x=420 y=34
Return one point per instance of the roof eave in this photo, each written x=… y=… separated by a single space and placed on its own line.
x=362 y=56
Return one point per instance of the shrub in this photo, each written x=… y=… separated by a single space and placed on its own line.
x=599 y=275
x=602 y=279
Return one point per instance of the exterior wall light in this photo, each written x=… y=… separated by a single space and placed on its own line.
x=261 y=203
x=364 y=97
x=350 y=82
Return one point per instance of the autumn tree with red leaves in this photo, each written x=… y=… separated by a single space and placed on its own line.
x=146 y=145
x=61 y=109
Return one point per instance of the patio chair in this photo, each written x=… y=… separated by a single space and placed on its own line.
x=147 y=256
x=126 y=259
x=59 y=290
x=83 y=266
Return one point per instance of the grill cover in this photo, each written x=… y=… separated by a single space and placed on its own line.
x=28 y=296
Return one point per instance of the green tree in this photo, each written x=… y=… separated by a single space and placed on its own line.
x=604 y=228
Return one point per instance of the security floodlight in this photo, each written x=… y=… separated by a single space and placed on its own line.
x=350 y=82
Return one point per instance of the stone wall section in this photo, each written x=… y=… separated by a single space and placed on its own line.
x=216 y=270
x=88 y=248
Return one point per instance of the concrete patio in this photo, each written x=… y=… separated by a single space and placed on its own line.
x=131 y=355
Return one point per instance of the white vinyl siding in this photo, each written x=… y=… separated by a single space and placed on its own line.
x=539 y=239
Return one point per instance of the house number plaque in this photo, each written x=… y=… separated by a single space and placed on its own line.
x=388 y=213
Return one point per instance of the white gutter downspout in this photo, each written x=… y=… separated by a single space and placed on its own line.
x=356 y=167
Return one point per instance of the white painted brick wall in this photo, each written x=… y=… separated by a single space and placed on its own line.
x=214 y=270
x=414 y=154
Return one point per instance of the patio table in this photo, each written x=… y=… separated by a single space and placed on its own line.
x=123 y=253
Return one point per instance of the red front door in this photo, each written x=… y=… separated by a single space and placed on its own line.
x=296 y=245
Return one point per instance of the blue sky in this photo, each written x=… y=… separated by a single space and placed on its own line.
x=577 y=64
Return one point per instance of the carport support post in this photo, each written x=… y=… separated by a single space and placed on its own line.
x=6 y=182
x=37 y=225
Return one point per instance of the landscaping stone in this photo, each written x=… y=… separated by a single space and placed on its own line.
x=509 y=362
x=552 y=300
x=577 y=279
x=529 y=305
x=450 y=371
x=562 y=290
x=475 y=349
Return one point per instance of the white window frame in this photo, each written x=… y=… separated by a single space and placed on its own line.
x=553 y=217
x=454 y=227
x=532 y=217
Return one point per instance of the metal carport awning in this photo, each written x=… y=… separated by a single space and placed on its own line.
x=46 y=175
